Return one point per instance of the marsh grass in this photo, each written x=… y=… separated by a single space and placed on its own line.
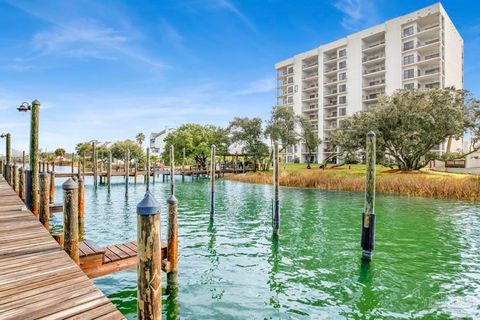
x=420 y=183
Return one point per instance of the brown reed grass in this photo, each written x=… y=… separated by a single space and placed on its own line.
x=412 y=184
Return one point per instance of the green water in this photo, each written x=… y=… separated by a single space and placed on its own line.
x=426 y=264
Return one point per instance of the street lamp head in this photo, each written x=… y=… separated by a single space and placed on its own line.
x=3 y=135
x=24 y=107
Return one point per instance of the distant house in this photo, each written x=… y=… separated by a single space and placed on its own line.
x=157 y=140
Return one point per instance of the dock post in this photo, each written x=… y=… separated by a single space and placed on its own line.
x=94 y=164
x=44 y=214
x=81 y=207
x=172 y=242
x=243 y=164
x=52 y=186
x=127 y=170
x=183 y=165
x=276 y=201
x=14 y=178
x=149 y=256
x=21 y=183
x=147 y=177
x=70 y=219
x=368 y=216
x=109 y=170
x=34 y=124
x=135 y=176
x=212 y=182
x=72 y=164
x=83 y=165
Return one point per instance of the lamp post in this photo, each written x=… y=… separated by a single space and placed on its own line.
x=8 y=151
x=33 y=199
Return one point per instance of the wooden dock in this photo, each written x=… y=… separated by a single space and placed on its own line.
x=38 y=280
x=97 y=261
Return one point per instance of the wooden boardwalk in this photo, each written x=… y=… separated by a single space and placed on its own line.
x=38 y=280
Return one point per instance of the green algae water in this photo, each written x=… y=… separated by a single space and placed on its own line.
x=426 y=264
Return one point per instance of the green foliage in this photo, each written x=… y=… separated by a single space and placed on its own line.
x=119 y=150
x=140 y=138
x=59 y=152
x=309 y=137
x=281 y=127
x=84 y=148
x=248 y=133
x=197 y=140
x=408 y=125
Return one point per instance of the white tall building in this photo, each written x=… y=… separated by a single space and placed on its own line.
x=157 y=140
x=421 y=50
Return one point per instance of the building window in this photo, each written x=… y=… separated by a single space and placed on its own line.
x=343 y=111
x=290 y=89
x=342 y=100
x=408 y=31
x=342 y=53
x=408 y=74
x=408 y=59
x=290 y=100
x=342 y=88
x=408 y=45
x=290 y=70
x=342 y=76
x=409 y=86
x=290 y=80
x=342 y=64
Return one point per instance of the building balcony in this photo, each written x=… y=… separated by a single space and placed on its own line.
x=330 y=93
x=432 y=28
x=330 y=104
x=328 y=71
x=330 y=58
x=310 y=76
x=310 y=98
x=373 y=57
x=331 y=82
x=311 y=65
x=370 y=72
x=330 y=115
x=311 y=87
x=372 y=97
x=310 y=108
x=374 y=46
x=374 y=83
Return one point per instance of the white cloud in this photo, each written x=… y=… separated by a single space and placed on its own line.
x=357 y=13
x=258 y=86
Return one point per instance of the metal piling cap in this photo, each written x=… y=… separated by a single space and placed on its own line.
x=172 y=199
x=70 y=184
x=44 y=175
x=36 y=102
x=371 y=134
x=148 y=205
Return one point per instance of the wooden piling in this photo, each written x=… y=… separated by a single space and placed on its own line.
x=81 y=207
x=183 y=165
x=14 y=178
x=34 y=154
x=276 y=200
x=70 y=219
x=149 y=256
x=148 y=170
x=8 y=147
x=127 y=170
x=24 y=160
x=172 y=241
x=21 y=183
x=136 y=169
x=94 y=164
x=44 y=213
x=83 y=165
x=52 y=186
x=368 y=216
x=212 y=181
x=109 y=170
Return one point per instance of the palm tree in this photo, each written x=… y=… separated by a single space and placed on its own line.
x=140 y=137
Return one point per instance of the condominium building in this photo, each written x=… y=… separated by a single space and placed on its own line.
x=420 y=50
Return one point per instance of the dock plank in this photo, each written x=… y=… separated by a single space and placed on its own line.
x=37 y=278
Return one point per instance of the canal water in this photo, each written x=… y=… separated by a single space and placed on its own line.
x=426 y=264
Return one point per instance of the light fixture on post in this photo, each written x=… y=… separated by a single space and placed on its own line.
x=32 y=175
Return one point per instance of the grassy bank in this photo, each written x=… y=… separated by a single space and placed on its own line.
x=424 y=183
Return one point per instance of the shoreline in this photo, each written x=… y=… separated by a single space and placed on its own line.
x=420 y=184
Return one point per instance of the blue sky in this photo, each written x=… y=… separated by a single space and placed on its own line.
x=109 y=69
